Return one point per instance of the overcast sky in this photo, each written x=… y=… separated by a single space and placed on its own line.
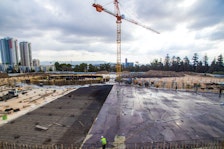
x=72 y=30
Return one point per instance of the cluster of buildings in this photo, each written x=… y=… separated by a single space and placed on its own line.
x=16 y=58
x=128 y=64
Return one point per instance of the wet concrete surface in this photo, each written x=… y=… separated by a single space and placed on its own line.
x=143 y=115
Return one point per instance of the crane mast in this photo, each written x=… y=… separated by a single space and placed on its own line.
x=119 y=17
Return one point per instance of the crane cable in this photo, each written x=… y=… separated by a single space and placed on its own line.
x=129 y=13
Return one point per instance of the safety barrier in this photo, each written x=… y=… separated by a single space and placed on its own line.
x=217 y=143
x=214 y=143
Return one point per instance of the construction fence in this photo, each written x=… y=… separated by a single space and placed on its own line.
x=214 y=143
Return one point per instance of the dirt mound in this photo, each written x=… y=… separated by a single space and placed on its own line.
x=156 y=73
x=102 y=72
x=4 y=75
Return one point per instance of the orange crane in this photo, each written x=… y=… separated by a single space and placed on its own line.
x=119 y=17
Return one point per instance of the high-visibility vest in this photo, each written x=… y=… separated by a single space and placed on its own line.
x=103 y=141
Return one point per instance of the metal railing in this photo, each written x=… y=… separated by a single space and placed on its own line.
x=214 y=143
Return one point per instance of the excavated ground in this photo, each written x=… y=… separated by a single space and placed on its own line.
x=65 y=120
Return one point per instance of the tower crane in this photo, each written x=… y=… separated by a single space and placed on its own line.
x=119 y=17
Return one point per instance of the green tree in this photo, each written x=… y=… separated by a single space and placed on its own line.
x=213 y=66
x=156 y=65
x=205 y=61
x=175 y=63
x=186 y=63
x=105 y=67
x=57 y=66
x=181 y=67
x=167 y=63
x=92 y=68
x=178 y=63
x=76 y=68
x=144 y=68
x=66 y=67
x=195 y=61
x=200 y=68
x=220 y=66
x=69 y=67
x=220 y=60
x=83 y=67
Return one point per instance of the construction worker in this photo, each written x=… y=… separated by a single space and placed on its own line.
x=103 y=140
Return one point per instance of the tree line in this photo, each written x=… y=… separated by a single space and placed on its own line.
x=174 y=63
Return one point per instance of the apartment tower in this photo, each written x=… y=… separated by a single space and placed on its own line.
x=36 y=62
x=9 y=51
x=26 y=54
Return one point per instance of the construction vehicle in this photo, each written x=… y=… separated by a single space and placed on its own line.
x=12 y=93
x=119 y=17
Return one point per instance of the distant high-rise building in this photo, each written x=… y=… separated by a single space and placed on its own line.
x=26 y=54
x=128 y=64
x=36 y=62
x=9 y=51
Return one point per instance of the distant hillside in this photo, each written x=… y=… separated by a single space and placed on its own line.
x=73 y=62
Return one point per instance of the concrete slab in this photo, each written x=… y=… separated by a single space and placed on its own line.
x=63 y=121
x=33 y=99
x=143 y=115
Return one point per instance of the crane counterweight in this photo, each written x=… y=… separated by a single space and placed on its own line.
x=98 y=7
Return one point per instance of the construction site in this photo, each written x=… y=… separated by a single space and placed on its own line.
x=145 y=110
x=140 y=114
x=71 y=111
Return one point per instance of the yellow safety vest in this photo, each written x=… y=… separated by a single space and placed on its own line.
x=103 y=141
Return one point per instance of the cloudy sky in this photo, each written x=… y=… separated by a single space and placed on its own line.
x=72 y=30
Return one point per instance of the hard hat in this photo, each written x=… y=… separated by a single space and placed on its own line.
x=101 y=136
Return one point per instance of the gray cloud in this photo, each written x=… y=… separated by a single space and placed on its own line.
x=58 y=25
x=217 y=35
x=66 y=18
x=162 y=14
x=205 y=13
x=213 y=35
x=166 y=15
